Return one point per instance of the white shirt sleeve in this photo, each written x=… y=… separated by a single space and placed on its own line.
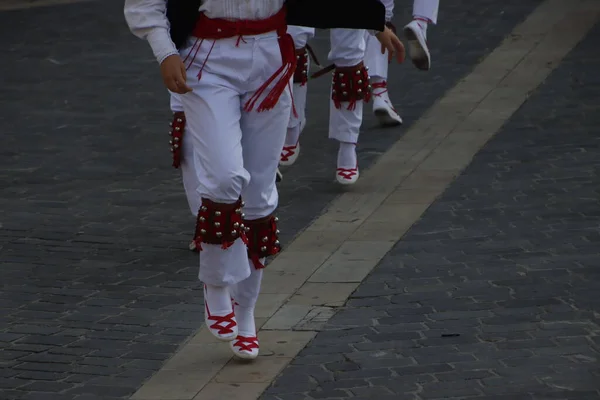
x=147 y=19
x=389 y=13
x=389 y=9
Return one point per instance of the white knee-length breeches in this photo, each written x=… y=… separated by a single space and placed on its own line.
x=427 y=9
x=347 y=49
x=228 y=152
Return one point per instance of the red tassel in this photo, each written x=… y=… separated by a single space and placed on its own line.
x=285 y=73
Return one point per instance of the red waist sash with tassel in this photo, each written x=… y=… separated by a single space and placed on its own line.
x=217 y=28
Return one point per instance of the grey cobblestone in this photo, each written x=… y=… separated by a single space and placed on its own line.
x=96 y=275
x=515 y=238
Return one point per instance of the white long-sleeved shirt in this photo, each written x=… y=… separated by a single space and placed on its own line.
x=147 y=19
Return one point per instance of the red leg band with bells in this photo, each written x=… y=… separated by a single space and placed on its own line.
x=350 y=84
x=301 y=73
x=219 y=223
x=176 y=133
x=263 y=240
x=302 y=55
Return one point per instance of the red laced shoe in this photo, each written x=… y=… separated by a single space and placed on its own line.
x=245 y=347
x=223 y=327
x=289 y=155
x=347 y=176
x=382 y=106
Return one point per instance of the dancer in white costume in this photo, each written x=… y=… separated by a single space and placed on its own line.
x=424 y=12
x=350 y=88
x=291 y=148
x=233 y=71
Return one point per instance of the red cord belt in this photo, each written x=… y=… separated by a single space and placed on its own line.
x=217 y=28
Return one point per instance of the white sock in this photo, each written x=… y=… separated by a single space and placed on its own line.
x=293 y=135
x=245 y=294
x=422 y=22
x=245 y=320
x=347 y=155
x=218 y=299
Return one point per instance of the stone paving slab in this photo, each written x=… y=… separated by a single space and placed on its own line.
x=98 y=289
x=493 y=293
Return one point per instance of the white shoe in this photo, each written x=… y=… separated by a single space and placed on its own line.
x=347 y=176
x=289 y=155
x=382 y=106
x=417 y=46
x=245 y=345
x=223 y=326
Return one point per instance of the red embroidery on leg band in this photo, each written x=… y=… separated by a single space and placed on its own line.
x=350 y=84
x=263 y=240
x=219 y=223
x=176 y=133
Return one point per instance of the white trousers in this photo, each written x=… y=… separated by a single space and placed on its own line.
x=228 y=152
x=377 y=62
x=175 y=103
x=190 y=182
x=301 y=36
x=427 y=9
x=347 y=49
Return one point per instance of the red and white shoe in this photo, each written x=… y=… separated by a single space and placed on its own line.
x=382 y=106
x=222 y=325
x=245 y=345
x=417 y=45
x=347 y=176
x=289 y=155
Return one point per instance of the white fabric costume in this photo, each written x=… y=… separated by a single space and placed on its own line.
x=228 y=151
x=347 y=53
x=301 y=36
x=423 y=10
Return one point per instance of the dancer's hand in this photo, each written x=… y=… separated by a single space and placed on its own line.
x=390 y=42
x=174 y=75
